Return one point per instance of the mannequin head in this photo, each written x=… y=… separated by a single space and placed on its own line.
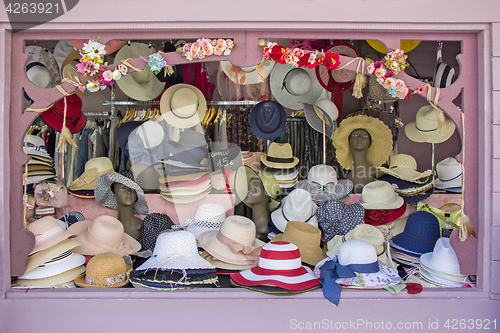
x=256 y=192
x=125 y=196
x=359 y=139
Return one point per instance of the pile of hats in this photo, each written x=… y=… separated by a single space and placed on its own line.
x=440 y=267
x=449 y=175
x=83 y=186
x=40 y=165
x=184 y=174
x=175 y=264
x=409 y=183
x=52 y=261
x=280 y=162
x=323 y=184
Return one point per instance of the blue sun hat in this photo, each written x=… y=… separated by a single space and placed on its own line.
x=268 y=120
x=420 y=234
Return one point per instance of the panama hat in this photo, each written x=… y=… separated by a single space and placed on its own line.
x=106 y=197
x=48 y=232
x=42 y=68
x=267 y=120
x=209 y=216
x=316 y=117
x=426 y=127
x=93 y=169
x=234 y=242
x=380 y=195
x=64 y=277
x=35 y=146
x=449 y=173
x=104 y=234
x=66 y=112
x=242 y=179
x=43 y=256
x=420 y=234
x=279 y=266
x=323 y=184
x=296 y=206
x=291 y=86
x=249 y=74
x=61 y=263
x=307 y=237
x=381 y=140
x=279 y=156
x=141 y=85
x=337 y=218
x=183 y=105
x=104 y=270
x=404 y=167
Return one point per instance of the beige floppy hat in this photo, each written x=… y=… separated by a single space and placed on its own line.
x=183 y=105
x=93 y=169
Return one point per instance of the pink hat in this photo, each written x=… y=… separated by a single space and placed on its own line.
x=104 y=234
x=48 y=232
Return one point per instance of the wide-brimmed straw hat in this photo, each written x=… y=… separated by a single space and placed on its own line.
x=280 y=265
x=248 y=74
x=69 y=69
x=43 y=256
x=449 y=175
x=105 y=270
x=267 y=120
x=430 y=126
x=279 y=156
x=141 y=85
x=104 y=234
x=291 y=86
x=106 y=197
x=244 y=175
x=93 y=169
x=234 y=242
x=75 y=120
x=380 y=195
x=307 y=238
x=63 y=262
x=183 y=105
x=404 y=167
x=381 y=140
x=58 y=279
x=209 y=216
x=323 y=184
x=420 y=234
x=296 y=206
x=48 y=232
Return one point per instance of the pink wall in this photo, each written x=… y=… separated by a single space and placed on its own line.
x=214 y=310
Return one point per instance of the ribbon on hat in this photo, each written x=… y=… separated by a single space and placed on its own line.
x=86 y=178
x=333 y=270
x=66 y=136
x=32 y=146
x=252 y=252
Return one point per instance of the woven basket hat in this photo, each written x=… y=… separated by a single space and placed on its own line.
x=279 y=156
x=379 y=93
x=381 y=140
x=105 y=196
x=404 y=167
x=209 y=216
x=105 y=270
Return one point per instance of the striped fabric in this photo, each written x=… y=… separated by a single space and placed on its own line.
x=445 y=74
x=279 y=266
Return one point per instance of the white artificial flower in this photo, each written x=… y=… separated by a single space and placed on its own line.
x=93 y=48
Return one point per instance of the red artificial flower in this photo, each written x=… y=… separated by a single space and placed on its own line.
x=266 y=52
x=378 y=64
x=390 y=74
x=311 y=65
x=331 y=60
x=303 y=60
x=375 y=216
x=277 y=52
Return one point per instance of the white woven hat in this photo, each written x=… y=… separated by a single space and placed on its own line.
x=380 y=195
x=62 y=263
x=442 y=259
x=209 y=216
x=449 y=173
x=296 y=206
x=175 y=250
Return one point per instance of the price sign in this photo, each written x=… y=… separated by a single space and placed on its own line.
x=226 y=162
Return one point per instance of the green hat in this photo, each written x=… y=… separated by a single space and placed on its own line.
x=242 y=179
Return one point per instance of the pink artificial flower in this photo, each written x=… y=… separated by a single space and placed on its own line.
x=420 y=90
x=297 y=53
x=219 y=49
x=196 y=50
x=380 y=72
x=229 y=43
x=107 y=75
x=208 y=49
x=288 y=57
x=399 y=84
x=381 y=80
x=402 y=92
x=390 y=74
x=378 y=64
x=370 y=68
x=221 y=41
x=185 y=48
x=266 y=52
x=213 y=42
x=389 y=82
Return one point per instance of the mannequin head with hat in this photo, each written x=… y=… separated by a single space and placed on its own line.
x=258 y=199
x=362 y=173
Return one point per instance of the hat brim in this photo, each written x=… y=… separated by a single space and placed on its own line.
x=311 y=257
x=191 y=262
x=107 y=198
x=52 y=240
x=47 y=254
x=318 y=120
x=407 y=174
x=415 y=135
x=438 y=280
x=294 y=102
x=54 y=268
x=63 y=277
x=223 y=265
x=80 y=281
x=241 y=181
x=248 y=76
x=425 y=260
x=128 y=85
x=184 y=200
x=171 y=118
x=381 y=140
x=280 y=222
x=273 y=290
x=209 y=242
x=446 y=185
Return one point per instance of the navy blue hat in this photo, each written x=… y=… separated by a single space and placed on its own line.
x=123 y=132
x=401 y=184
x=420 y=234
x=268 y=120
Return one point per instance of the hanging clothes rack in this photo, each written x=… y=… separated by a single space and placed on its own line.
x=112 y=103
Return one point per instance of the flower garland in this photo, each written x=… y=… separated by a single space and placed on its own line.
x=299 y=58
x=204 y=47
x=92 y=64
x=386 y=72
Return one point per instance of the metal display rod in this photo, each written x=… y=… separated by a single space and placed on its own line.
x=158 y=102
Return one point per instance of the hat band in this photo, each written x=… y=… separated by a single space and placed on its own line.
x=286 y=218
x=31 y=146
x=48 y=234
x=34 y=64
x=203 y=223
x=425 y=240
x=251 y=251
x=449 y=180
x=280 y=159
x=421 y=130
x=186 y=117
x=73 y=120
x=110 y=281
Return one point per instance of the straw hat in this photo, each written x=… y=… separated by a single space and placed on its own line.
x=142 y=85
x=316 y=117
x=209 y=216
x=43 y=256
x=296 y=206
x=183 y=105
x=268 y=120
x=62 y=263
x=48 y=232
x=93 y=169
x=279 y=156
x=380 y=195
x=249 y=74
x=234 y=242
x=449 y=173
x=104 y=234
x=69 y=69
x=106 y=197
x=244 y=175
x=279 y=266
x=381 y=140
x=378 y=91
x=307 y=238
x=426 y=127
x=404 y=167
x=50 y=281
x=291 y=86
x=405 y=45
x=337 y=218
x=420 y=234
x=75 y=119
x=223 y=265
x=105 y=270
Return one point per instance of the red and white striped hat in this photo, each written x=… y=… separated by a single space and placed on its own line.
x=279 y=266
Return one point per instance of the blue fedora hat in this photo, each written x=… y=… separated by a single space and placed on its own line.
x=268 y=120
x=420 y=234
x=123 y=132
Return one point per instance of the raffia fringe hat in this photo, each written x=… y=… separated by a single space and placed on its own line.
x=105 y=270
x=404 y=167
x=381 y=140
